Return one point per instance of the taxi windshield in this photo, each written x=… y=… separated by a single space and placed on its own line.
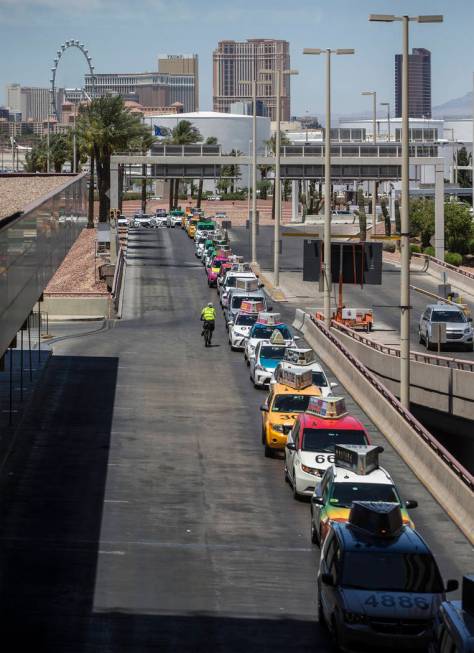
x=326 y=439
x=343 y=494
x=246 y=320
x=275 y=353
x=391 y=572
x=264 y=332
x=290 y=403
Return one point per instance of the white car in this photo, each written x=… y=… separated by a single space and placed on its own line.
x=262 y=365
x=141 y=220
x=311 y=444
x=240 y=329
x=264 y=332
x=122 y=221
x=230 y=282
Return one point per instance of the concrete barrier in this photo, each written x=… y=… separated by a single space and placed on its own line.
x=63 y=306
x=448 y=390
x=448 y=488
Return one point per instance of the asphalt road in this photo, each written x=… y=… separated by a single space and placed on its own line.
x=137 y=510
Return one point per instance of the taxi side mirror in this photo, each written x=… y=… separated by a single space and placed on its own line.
x=291 y=446
x=452 y=585
x=318 y=501
x=333 y=384
x=261 y=285
x=327 y=579
x=264 y=408
x=410 y=504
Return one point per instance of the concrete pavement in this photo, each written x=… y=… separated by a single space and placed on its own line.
x=138 y=512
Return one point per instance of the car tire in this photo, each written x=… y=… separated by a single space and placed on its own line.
x=321 y=618
x=314 y=535
x=287 y=478
x=428 y=344
x=296 y=496
x=420 y=338
x=268 y=451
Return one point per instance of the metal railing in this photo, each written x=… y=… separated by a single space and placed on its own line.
x=448 y=266
x=438 y=448
x=420 y=357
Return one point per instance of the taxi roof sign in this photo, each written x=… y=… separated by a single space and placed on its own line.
x=296 y=380
x=249 y=285
x=271 y=319
x=277 y=338
x=359 y=458
x=300 y=356
x=327 y=407
x=251 y=306
x=241 y=267
x=376 y=517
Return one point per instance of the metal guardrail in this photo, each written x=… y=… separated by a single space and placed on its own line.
x=118 y=279
x=420 y=357
x=460 y=471
x=448 y=266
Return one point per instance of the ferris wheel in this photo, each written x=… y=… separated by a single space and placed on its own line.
x=65 y=46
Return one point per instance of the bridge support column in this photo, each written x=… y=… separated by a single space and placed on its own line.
x=114 y=185
x=439 y=211
x=294 y=201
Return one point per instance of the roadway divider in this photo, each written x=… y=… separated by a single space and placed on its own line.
x=460 y=279
x=444 y=477
x=118 y=282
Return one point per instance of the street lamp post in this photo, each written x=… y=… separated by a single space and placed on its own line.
x=277 y=185
x=253 y=222
x=326 y=264
x=387 y=104
x=405 y=307
x=373 y=94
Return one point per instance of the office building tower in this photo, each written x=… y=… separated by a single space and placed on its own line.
x=419 y=84
x=34 y=103
x=235 y=62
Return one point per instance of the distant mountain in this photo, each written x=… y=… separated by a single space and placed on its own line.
x=460 y=107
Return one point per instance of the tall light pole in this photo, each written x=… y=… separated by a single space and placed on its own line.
x=326 y=266
x=373 y=94
x=405 y=308
x=387 y=104
x=277 y=185
x=253 y=222
x=374 y=112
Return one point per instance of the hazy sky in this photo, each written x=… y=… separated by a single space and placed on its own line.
x=127 y=36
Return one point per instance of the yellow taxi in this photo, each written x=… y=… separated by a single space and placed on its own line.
x=288 y=397
x=192 y=226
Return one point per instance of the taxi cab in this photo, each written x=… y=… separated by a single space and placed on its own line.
x=263 y=329
x=192 y=227
x=355 y=476
x=285 y=401
x=267 y=356
x=455 y=629
x=304 y=358
x=214 y=269
x=311 y=445
x=378 y=585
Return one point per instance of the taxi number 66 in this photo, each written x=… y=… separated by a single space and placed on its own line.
x=404 y=601
x=320 y=459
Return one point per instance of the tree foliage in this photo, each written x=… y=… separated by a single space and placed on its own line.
x=458 y=228
x=60 y=150
x=107 y=127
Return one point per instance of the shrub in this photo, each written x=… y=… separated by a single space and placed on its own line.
x=389 y=246
x=415 y=249
x=471 y=246
x=429 y=250
x=453 y=258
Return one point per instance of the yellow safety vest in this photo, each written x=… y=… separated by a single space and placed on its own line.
x=208 y=313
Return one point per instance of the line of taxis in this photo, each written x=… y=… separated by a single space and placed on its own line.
x=379 y=586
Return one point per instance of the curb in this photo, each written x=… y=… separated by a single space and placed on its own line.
x=275 y=293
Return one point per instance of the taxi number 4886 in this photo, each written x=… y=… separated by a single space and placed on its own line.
x=404 y=601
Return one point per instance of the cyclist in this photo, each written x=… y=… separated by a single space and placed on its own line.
x=208 y=317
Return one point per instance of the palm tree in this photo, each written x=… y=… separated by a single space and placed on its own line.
x=183 y=134
x=60 y=151
x=108 y=126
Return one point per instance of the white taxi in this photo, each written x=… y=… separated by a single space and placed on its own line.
x=263 y=329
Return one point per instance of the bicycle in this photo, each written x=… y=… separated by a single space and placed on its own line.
x=207 y=329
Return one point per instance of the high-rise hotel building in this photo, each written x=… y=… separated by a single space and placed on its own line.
x=235 y=62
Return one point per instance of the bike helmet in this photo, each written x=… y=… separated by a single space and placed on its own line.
x=210 y=304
